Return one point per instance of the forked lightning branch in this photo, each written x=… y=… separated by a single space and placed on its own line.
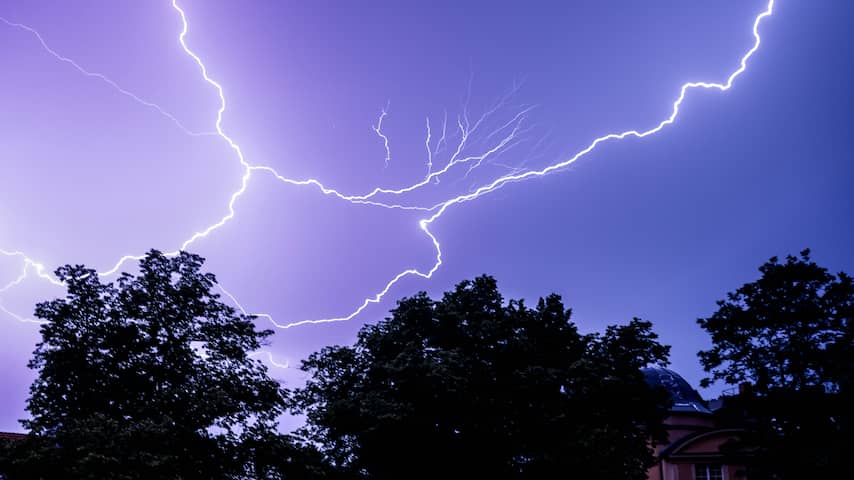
x=453 y=146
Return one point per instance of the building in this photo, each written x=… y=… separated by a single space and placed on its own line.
x=695 y=436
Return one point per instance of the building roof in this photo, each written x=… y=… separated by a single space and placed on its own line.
x=12 y=436
x=685 y=398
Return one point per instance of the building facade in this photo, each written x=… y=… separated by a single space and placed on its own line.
x=697 y=443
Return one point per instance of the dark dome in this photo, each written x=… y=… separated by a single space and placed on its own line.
x=685 y=398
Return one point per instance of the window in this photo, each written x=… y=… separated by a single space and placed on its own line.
x=705 y=471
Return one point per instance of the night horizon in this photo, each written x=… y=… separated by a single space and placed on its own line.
x=328 y=161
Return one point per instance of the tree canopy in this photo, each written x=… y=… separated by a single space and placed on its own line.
x=790 y=329
x=149 y=378
x=789 y=335
x=472 y=387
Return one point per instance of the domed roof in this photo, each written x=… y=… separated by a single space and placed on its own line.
x=685 y=398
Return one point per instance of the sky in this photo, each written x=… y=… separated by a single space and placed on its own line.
x=111 y=145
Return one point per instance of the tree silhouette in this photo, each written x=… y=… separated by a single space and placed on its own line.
x=147 y=378
x=471 y=387
x=789 y=334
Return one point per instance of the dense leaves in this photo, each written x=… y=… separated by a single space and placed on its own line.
x=147 y=378
x=789 y=335
x=789 y=329
x=472 y=387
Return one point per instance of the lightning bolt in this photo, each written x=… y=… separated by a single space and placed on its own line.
x=272 y=361
x=29 y=263
x=103 y=78
x=496 y=184
x=378 y=129
x=507 y=135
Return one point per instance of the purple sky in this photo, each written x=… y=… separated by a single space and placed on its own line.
x=97 y=167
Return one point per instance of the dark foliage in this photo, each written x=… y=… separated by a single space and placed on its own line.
x=789 y=334
x=471 y=387
x=149 y=378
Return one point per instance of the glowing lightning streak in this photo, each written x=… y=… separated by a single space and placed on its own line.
x=465 y=132
x=39 y=268
x=104 y=78
x=219 y=132
x=429 y=152
x=17 y=281
x=441 y=141
x=247 y=173
x=378 y=128
x=424 y=224
x=20 y=318
x=271 y=360
x=498 y=183
x=29 y=263
x=248 y=168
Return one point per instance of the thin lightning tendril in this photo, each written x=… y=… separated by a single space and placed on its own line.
x=465 y=130
x=378 y=129
x=427 y=146
x=270 y=359
x=105 y=79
